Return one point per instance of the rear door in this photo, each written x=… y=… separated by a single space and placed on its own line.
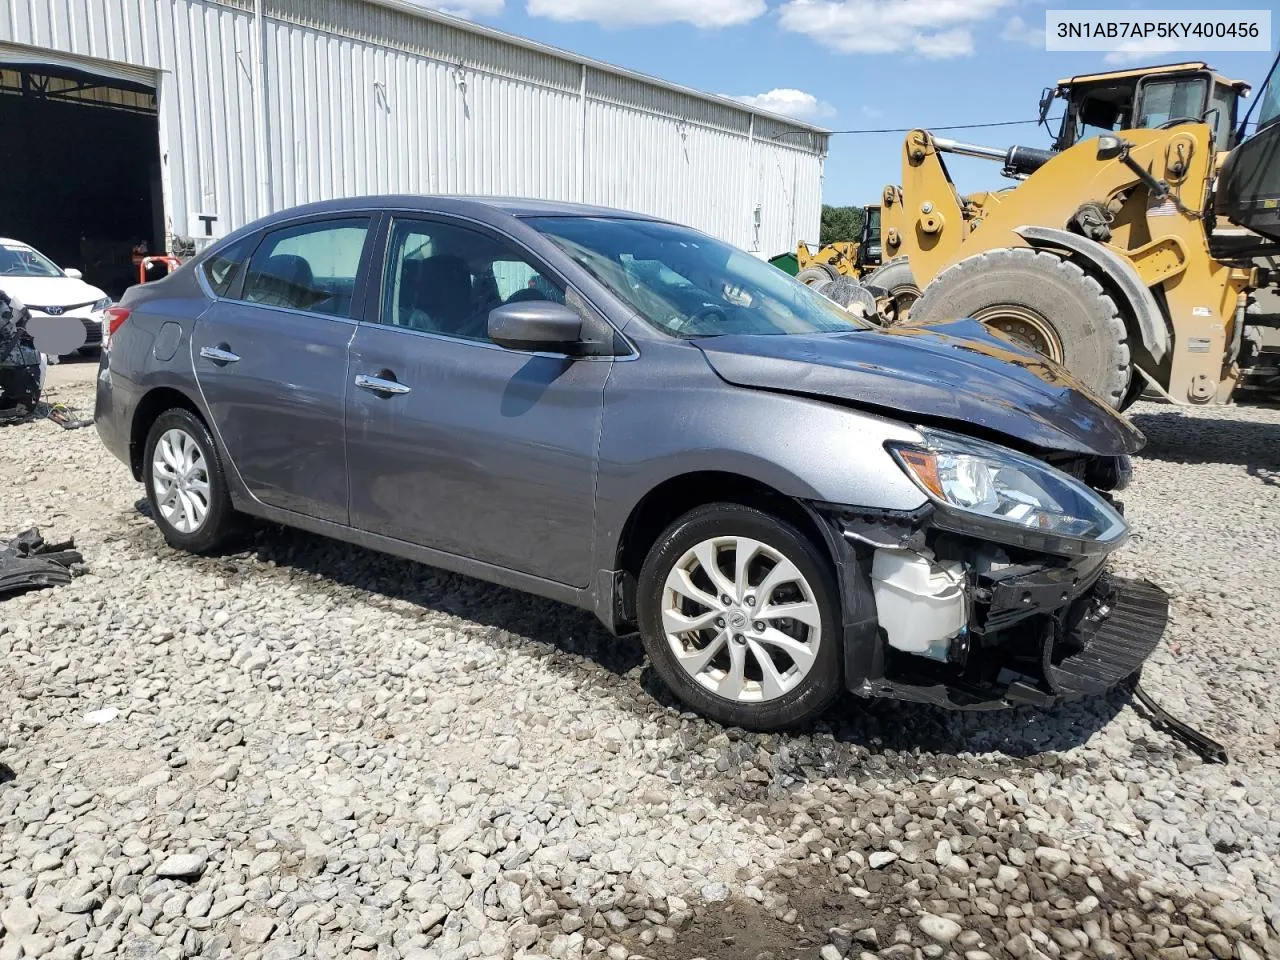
x=270 y=356
x=454 y=442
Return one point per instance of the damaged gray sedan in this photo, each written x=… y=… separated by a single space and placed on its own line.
x=634 y=418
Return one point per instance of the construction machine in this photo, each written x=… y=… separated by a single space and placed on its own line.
x=844 y=258
x=1143 y=98
x=1128 y=252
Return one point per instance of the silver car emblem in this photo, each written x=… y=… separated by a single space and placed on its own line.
x=54 y=311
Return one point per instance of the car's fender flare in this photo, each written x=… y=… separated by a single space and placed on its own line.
x=1138 y=298
x=614 y=522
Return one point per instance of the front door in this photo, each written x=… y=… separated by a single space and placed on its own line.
x=456 y=443
x=271 y=362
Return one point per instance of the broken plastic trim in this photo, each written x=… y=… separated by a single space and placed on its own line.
x=28 y=563
x=1206 y=748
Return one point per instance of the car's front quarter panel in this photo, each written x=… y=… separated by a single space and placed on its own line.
x=667 y=414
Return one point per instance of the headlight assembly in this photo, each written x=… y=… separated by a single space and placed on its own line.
x=101 y=305
x=1015 y=498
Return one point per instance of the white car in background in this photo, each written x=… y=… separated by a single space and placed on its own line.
x=28 y=275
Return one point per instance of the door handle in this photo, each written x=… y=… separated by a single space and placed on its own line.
x=218 y=355
x=381 y=386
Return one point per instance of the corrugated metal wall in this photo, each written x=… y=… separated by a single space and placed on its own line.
x=362 y=98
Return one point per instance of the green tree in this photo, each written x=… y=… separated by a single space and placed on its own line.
x=840 y=223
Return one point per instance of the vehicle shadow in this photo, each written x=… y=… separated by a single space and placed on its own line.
x=1178 y=438
x=387 y=578
x=853 y=733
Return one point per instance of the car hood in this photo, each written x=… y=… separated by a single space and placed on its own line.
x=50 y=291
x=955 y=371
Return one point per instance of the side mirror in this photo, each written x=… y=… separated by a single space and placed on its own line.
x=1110 y=147
x=536 y=325
x=1046 y=103
x=73 y=273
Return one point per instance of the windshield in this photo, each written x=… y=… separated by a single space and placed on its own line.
x=17 y=260
x=873 y=222
x=689 y=285
x=1269 y=112
x=1163 y=101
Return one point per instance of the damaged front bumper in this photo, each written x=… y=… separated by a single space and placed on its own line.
x=936 y=615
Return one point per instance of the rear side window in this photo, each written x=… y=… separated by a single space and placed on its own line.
x=311 y=267
x=223 y=269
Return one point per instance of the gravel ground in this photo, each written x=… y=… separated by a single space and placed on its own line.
x=305 y=749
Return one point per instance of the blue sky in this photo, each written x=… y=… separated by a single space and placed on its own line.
x=854 y=63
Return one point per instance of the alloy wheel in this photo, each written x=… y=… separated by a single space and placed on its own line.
x=741 y=619
x=180 y=480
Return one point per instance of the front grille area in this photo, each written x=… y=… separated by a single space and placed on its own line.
x=92 y=332
x=62 y=310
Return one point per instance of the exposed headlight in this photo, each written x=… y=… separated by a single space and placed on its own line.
x=101 y=305
x=1000 y=485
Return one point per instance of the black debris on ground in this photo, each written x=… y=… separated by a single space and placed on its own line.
x=29 y=563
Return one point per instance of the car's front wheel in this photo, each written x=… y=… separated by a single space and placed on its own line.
x=739 y=616
x=185 y=483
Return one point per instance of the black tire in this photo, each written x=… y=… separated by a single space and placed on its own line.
x=895 y=277
x=1137 y=387
x=819 y=273
x=1094 y=342
x=220 y=521
x=817 y=689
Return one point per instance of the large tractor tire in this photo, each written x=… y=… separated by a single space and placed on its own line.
x=812 y=276
x=895 y=278
x=853 y=296
x=1043 y=302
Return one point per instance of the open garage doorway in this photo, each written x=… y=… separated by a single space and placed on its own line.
x=80 y=169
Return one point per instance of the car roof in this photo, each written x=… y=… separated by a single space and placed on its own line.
x=427 y=203
x=16 y=243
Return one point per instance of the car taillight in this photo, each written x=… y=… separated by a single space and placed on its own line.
x=116 y=316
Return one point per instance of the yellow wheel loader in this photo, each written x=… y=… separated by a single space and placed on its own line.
x=845 y=258
x=1127 y=253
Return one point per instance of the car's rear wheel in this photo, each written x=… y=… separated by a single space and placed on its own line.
x=739 y=616
x=185 y=483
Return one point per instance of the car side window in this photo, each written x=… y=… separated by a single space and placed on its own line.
x=310 y=267
x=445 y=278
x=223 y=269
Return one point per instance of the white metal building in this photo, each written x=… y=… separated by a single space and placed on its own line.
x=164 y=120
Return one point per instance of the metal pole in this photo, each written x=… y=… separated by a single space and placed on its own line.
x=582 y=136
x=753 y=229
x=260 y=108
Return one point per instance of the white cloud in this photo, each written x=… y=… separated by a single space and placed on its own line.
x=1145 y=51
x=1018 y=30
x=790 y=103
x=466 y=9
x=945 y=45
x=935 y=29
x=870 y=112
x=610 y=13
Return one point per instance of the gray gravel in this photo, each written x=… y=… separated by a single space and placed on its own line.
x=308 y=750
